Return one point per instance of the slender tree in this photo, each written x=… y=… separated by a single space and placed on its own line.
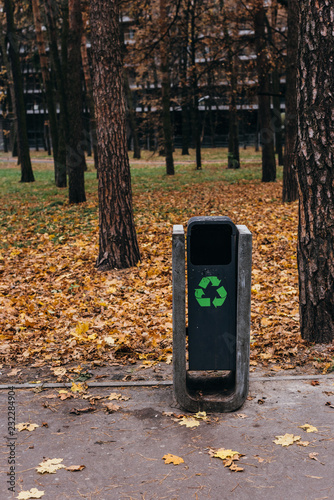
x=290 y=191
x=118 y=247
x=14 y=57
x=263 y=72
x=48 y=85
x=75 y=158
x=315 y=170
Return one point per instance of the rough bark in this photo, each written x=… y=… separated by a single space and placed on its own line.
x=290 y=191
x=14 y=57
x=118 y=247
x=75 y=157
x=263 y=72
x=315 y=170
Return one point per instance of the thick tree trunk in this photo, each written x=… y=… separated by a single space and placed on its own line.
x=290 y=191
x=118 y=247
x=75 y=158
x=14 y=57
x=165 y=92
x=265 y=121
x=315 y=170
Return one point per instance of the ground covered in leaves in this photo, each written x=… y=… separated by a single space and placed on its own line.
x=56 y=308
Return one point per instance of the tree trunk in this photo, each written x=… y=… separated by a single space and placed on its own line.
x=315 y=176
x=290 y=191
x=60 y=76
x=132 y=117
x=118 y=247
x=14 y=57
x=265 y=122
x=184 y=83
x=195 y=111
x=36 y=6
x=165 y=92
x=89 y=92
x=277 y=115
x=75 y=158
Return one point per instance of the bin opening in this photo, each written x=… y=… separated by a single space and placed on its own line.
x=211 y=244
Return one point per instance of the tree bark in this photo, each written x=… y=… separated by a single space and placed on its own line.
x=75 y=158
x=315 y=172
x=290 y=190
x=194 y=84
x=118 y=247
x=265 y=121
x=14 y=57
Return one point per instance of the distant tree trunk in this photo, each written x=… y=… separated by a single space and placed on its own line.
x=75 y=158
x=290 y=191
x=165 y=92
x=277 y=121
x=61 y=78
x=36 y=6
x=315 y=173
x=184 y=83
x=89 y=92
x=118 y=247
x=132 y=117
x=265 y=122
x=14 y=57
x=195 y=111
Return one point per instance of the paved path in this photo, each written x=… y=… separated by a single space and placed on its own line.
x=122 y=451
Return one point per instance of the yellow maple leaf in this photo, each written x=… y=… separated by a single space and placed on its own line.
x=308 y=428
x=286 y=440
x=172 y=459
x=201 y=415
x=189 y=422
x=33 y=493
x=223 y=454
x=79 y=387
x=26 y=426
x=50 y=466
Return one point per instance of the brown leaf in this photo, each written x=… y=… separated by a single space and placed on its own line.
x=74 y=468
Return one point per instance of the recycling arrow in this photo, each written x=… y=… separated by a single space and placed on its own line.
x=203 y=301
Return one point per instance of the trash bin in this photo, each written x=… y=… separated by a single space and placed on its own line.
x=212 y=284
x=212 y=374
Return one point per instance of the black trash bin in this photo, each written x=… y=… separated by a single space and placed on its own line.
x=212 y=293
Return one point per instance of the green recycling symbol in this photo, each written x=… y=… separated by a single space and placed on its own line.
x=203 y=301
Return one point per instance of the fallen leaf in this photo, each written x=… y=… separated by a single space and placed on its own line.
x=26 y=427
x=79 y=387
x=303 y=443
x=329 y=404
x=189 y=422
x=241 y=415
x=74 y=468
x=79 y=411
x=111 y=407
x=50 y=466
x=308 y=428
x=59 y=372
x=235 y=468
x=313 y=456
x=65 y=395
x=118 y=397
x=14 y=372
x=172 y=459
x=315 y=382
x=33 y=493
x=223 y=454
x=201 y=415
x=286 y=440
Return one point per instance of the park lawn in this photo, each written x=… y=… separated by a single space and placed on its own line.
x=56 y=308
